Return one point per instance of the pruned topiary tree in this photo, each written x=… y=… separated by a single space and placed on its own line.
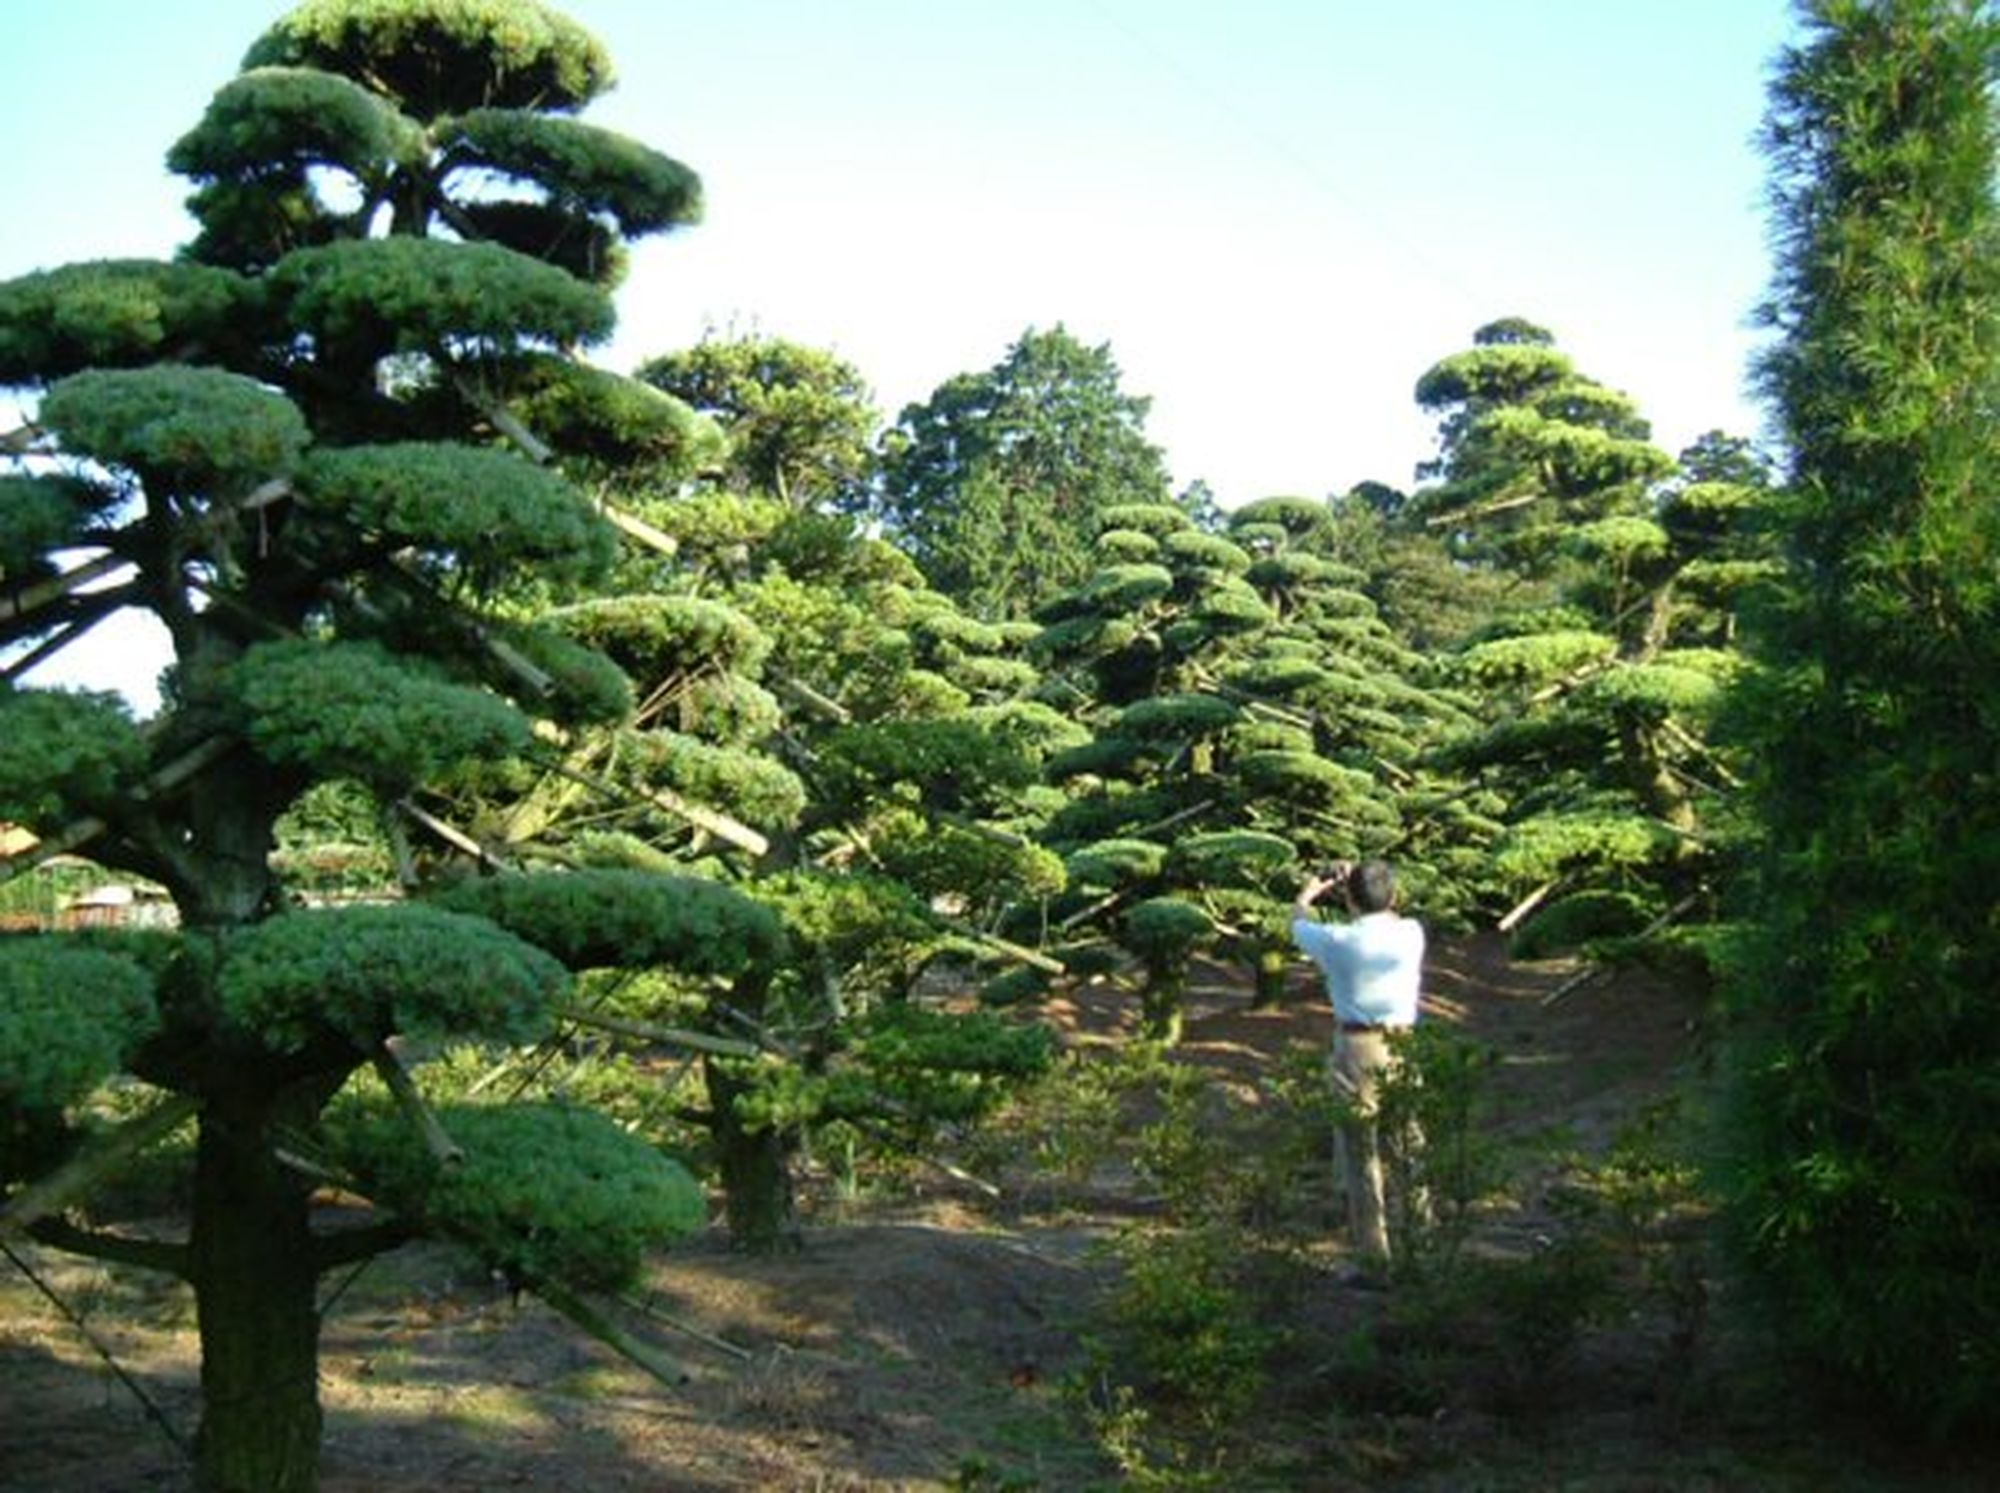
x=823 y=738
x=1249 y=715
x=302 y=447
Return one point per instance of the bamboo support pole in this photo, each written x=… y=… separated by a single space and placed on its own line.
x=647 y=1031
x=392 y=1072
x=642 y=1354
x=458 y=839
x=33 y=598
x=1590 y=974
x=1014 y=951
x=652 y=1313
x=721 y=825
x=80 y=832
x=1525 y=906
x=98 y=1159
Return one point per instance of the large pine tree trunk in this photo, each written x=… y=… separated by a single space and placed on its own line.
x=755 y=1170
x=255 y=1281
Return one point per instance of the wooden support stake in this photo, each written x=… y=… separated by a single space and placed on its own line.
x=647 y=1031
x=98 y=1159
x=609 y=1333
x=458 y=839
x=390 y=1067
x=721 y=825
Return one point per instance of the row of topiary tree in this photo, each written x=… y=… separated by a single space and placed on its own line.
x=697 y=721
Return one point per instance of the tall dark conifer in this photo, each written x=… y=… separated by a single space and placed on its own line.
x=1864 y=1174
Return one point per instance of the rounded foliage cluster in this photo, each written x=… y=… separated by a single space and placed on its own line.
x=1244 y=858
x=486 y=505
x=1165 y=930
x=437 y=57
x=69 y=1016
x=63 y=752
x=356 y=710
x=415 y=295
x=545 y=1193
x=655 y=637
x=188 y=427
x=295 y=117
x=109 y=313
x=366 y=973
x=619 y=918
x=37 y=515
x=1113 y=863
x=759 y=789
x=592 y=169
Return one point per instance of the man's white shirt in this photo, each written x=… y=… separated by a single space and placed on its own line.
x=1373 y=965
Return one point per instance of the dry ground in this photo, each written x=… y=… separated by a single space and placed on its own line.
x=916 y=1344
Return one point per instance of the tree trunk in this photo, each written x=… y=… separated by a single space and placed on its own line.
x=1658 y=789
x=1272 y=965
x=754 y=1165
x=254 y=1282
x=1161 y=1013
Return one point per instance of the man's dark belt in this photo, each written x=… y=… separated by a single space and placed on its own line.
x=1364 y=1026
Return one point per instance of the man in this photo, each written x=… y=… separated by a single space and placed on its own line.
x=1373 y=966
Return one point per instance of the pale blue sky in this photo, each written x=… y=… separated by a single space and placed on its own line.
x=1277 y=213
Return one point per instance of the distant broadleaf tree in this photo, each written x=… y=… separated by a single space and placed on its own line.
x=994 y=483
x=801 y=422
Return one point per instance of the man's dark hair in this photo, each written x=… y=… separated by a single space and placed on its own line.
x=1372 y=886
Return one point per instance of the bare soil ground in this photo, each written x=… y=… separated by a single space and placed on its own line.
x=924 y=1341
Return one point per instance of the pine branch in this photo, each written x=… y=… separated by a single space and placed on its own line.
x=98 y=1159
x=118 y=1249
x=647 y=1031
x=351 y=1246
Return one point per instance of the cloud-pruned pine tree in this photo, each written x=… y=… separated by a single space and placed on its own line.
x=819 y=731
x=1600 y=682
x=1248 y=712
x=287 y=446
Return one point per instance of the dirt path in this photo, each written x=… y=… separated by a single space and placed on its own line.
x=903 y=1349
